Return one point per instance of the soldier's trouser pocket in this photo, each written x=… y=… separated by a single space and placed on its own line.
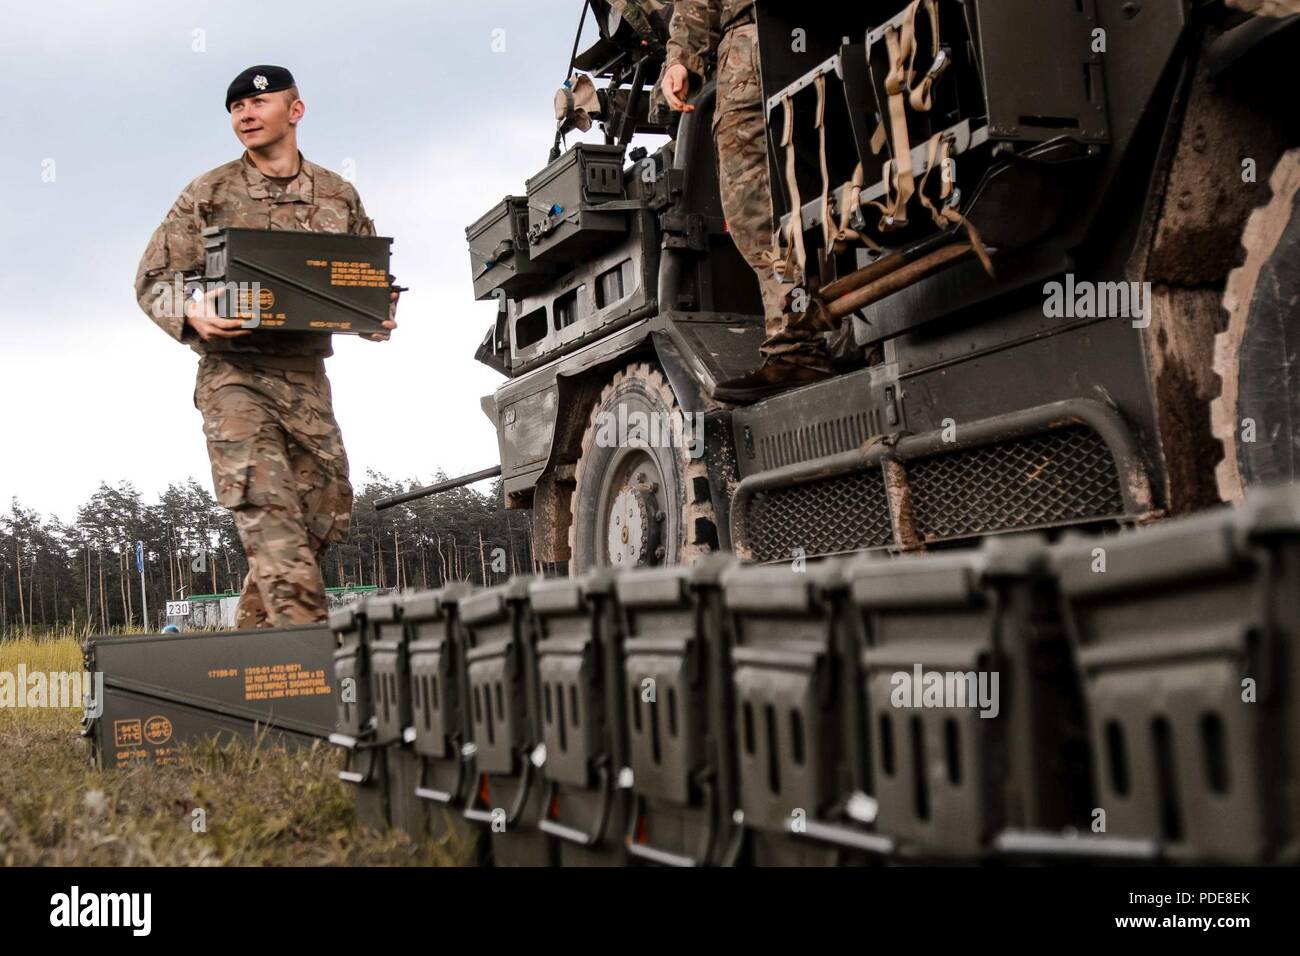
x=326 y=495
x=246 y=448
x=233 y=461
x=738 y=83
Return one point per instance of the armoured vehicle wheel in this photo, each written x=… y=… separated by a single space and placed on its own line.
x=640 y=497
x=1257 y=357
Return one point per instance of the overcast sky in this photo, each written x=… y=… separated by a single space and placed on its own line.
x=123 y=103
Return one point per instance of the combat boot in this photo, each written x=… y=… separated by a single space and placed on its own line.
x=774 y=375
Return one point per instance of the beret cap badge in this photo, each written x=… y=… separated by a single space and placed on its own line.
x=262 y=78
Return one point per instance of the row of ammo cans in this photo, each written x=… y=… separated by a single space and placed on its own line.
x=1127 y=698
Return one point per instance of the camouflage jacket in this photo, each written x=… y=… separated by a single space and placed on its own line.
x=237 y=194
x=696 y=30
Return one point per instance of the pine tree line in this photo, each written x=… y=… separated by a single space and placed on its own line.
x=82 y=574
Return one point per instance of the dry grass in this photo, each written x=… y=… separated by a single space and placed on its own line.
x=261 y=808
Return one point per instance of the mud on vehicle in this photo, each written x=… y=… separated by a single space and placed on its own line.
x=1028 y=232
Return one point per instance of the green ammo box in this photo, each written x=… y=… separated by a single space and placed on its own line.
x=390 y=695
x=501 y=684
x=1186 y=635
x=160 y=690
x=498 y=252
x=577 y=204
x=365 y=766
x=305 y=281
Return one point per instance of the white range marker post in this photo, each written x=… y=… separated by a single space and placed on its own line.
x=144 y=604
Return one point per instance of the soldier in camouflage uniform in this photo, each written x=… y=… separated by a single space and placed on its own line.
x=794 y=350
x=277 y=455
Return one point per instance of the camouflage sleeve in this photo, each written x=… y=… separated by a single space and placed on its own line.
x=359 y=224
x=693 y=34
x=174 y=247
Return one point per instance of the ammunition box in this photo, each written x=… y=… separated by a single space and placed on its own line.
x=161 y=690
x=365 y=766
x=577 y=204
x=973 y=714
x=791 y=701
x=676 y=679
x=499 y=254
x=391 y=695
x=305 y=281
x=579 y=671
x=437 y=733
x=1185 y=633
x=501 y=666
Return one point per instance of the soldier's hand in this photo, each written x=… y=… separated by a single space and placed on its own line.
x=390 y=324
x=203 y=317
x=676 y=84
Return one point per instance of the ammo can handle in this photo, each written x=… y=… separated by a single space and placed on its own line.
x=666 y=857
x=573 y=834
x=1102 y=847
x=441 y=796
x=513 y=814
x=359 y=778
x=843 y=836
x=352 y=745
x=478 y=816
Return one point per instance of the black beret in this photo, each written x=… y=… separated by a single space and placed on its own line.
x=258 y=79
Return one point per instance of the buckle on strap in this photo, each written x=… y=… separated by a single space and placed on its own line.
x=941 y=62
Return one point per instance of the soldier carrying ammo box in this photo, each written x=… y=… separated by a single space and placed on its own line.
x=278 y=460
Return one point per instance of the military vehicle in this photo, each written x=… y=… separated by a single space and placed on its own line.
x=1060 y=328
x=1055 y=247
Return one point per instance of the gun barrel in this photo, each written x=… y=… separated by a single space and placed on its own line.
x=438 y=487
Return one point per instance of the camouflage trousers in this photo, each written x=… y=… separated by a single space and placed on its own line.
x=740 y=134
x=279 y=464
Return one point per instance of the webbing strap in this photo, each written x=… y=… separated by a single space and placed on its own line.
x=919 y=96
x=899 y=180
x=795 y=229
x=827 y=230
x=836 y=234
x=946 y=215
x=843 y=234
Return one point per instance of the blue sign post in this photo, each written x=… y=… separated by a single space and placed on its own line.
x=144 y=604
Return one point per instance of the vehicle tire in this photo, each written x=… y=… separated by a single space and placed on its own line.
x=641 y=498
x=1257 y=356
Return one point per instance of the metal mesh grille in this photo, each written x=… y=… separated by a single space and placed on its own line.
x=845 y=513
x=1057 y=476
x=818 y=439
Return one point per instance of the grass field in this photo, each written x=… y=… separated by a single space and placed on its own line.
x=258 y=807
